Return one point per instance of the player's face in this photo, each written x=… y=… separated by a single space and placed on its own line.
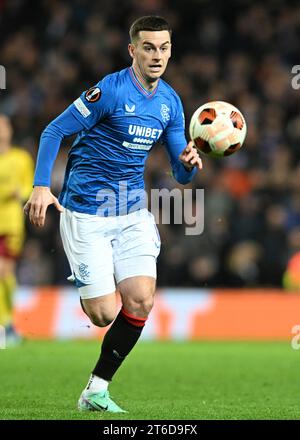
x=5 y=130
x=150 y=54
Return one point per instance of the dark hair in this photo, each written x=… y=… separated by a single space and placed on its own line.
x=148 y=23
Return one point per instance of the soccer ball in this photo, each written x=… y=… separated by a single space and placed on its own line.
x=218 y=129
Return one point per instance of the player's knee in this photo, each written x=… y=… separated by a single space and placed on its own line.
x=101 y=319
x=141 y=307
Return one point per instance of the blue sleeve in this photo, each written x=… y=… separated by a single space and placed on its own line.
x=93 y=105
x=64 y=125
x=175 y=142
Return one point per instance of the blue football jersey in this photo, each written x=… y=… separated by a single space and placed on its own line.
x=121 y=121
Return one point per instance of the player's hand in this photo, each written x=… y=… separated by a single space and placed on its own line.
x=190 y=157
x=36 y=207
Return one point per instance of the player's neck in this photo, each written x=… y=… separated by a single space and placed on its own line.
x=149 y=86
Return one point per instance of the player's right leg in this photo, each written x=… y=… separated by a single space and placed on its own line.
x=101 y=310
x=95 y=397
x=87 y=243
x=136 y=247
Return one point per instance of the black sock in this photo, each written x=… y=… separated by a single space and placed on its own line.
x=117 y=343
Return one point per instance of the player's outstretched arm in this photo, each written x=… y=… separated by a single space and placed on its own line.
x=190 y=157
x=36 y=207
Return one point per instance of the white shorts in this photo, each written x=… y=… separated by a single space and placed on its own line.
x=103 y=251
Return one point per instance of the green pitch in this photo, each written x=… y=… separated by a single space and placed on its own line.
x=200 y=380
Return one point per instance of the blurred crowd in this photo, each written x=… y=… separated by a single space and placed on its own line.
x=237 y=51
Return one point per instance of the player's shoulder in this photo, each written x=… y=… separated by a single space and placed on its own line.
x=114 y=79
x=168 y=91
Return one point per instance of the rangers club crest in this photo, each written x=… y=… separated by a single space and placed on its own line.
x=165 y=112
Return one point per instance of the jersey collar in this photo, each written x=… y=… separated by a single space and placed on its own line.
x=139 y=86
